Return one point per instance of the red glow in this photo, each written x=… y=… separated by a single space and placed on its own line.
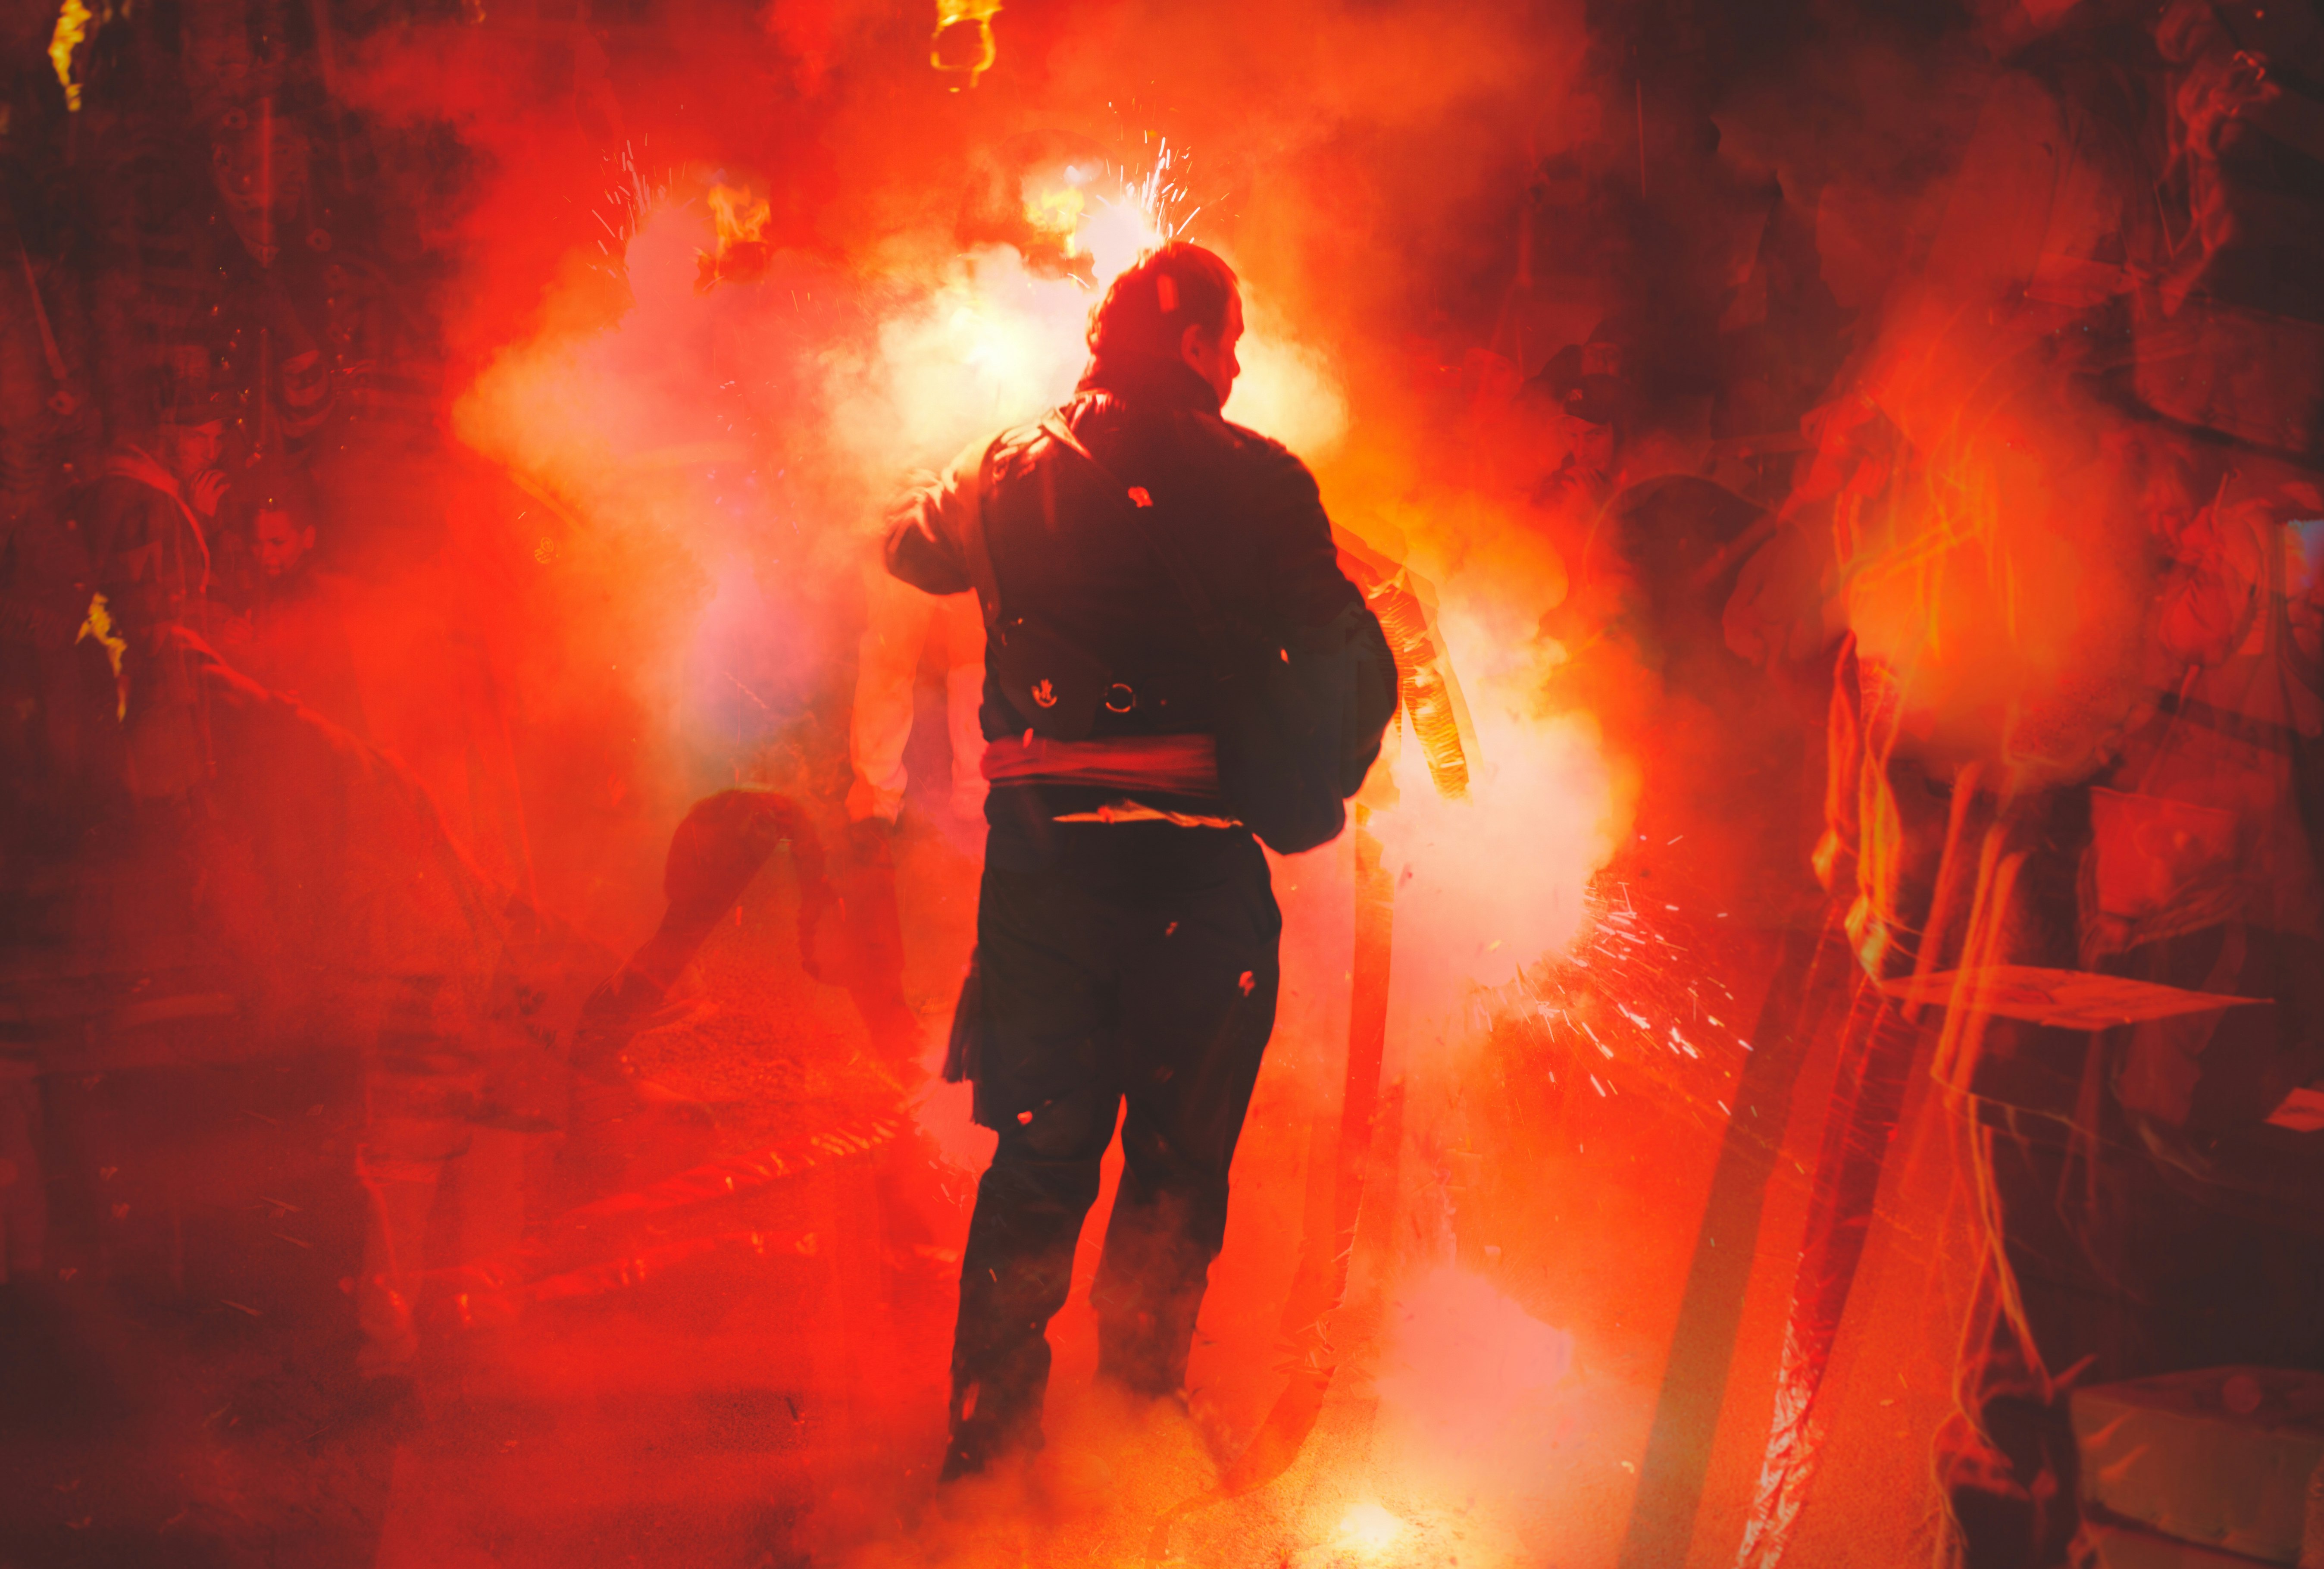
x=1842 y=491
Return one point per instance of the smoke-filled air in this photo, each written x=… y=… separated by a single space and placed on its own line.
x=882 y=783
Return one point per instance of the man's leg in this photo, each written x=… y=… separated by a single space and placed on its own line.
x=1046 y=993
x=865 y=872
x=896 y=622
x=1197 y=1007
x=963 y=636
x=1015 y=1274
x=419 y=1091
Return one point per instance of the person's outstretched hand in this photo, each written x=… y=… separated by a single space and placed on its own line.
x=203 y=495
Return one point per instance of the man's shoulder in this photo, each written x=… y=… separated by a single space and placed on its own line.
x=115 y=495
x=1015 y=440
x=1206 y=435
x=121 y=487
x=1005 y=452
x=1252 y=442
x=1260 y=459
x=1202 y=438
x=1265 y=448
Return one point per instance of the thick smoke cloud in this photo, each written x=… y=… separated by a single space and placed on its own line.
x=691 y=450
x=708 y=301
x=702 y=468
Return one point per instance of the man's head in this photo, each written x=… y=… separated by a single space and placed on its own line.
x=279 y=539
x=188 y=447
x=1177 y=302
x=190 y=417
x=1583 y=390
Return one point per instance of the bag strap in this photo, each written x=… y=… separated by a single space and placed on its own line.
x=973 y=546
x=1138 y=504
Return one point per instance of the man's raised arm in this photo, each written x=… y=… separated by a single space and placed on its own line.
x=928 y=528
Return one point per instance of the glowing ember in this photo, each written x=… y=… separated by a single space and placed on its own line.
x=1369 y=1531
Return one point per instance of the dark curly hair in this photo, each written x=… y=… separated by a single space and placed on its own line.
x=1149 y=307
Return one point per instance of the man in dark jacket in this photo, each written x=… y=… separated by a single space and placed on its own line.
x=1127 y=931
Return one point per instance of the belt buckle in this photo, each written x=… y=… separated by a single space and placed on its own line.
x=1126 y=700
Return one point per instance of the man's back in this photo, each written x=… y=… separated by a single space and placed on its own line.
x=1072 y=549
x=1126 y=963
x=1241 y=510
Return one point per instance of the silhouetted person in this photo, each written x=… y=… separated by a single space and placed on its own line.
x=1127 y=933
x=146 y=522
x=1587 y=408
x=298 y=643
x=898 y=625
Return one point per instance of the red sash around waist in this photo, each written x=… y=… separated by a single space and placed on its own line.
x=1178 y=765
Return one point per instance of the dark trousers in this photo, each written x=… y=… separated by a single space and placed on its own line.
x=1117 y=966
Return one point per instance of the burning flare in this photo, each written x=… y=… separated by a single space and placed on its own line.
x=1056 y=214
x=72 y=26
x=742 y=253
x=965 y=14
x=1369 y=1531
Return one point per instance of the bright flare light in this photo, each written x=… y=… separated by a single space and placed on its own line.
x=1114 y=233
x=1369 y=1529
x=1056 y=213
x=72 y=26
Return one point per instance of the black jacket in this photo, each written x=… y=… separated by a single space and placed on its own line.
x=1246 y=513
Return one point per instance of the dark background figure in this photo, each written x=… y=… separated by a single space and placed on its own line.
x=1127 y=931
x=146 y=524
x=1588 y=409
x=297 y=643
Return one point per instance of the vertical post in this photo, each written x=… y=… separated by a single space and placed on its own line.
x=1710 y=1310
x=1367 y=1034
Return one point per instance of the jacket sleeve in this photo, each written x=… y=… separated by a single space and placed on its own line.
x=1316 y=597
x=927 y=528
x=1373 y=696
x=1308 y=588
